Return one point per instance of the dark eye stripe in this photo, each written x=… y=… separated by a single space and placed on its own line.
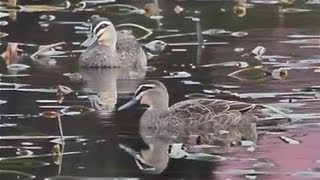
x=99 y=26
x=142 y=89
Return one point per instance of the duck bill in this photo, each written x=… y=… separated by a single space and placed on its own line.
x=128 y=104
x=89 y=41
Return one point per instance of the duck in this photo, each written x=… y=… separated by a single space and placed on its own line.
x=108 y=48
x=202 y=125
x=204 y=117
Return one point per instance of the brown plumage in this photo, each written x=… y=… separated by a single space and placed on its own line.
x=197 y=121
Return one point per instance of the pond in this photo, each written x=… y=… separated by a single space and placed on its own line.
x=59 y=121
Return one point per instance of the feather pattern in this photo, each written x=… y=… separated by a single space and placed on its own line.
x=211 y=121
x=128 y=54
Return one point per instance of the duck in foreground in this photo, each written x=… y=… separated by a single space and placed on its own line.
x=202 y=125
x=108 y=48
x=211 y=121
x=217 y=125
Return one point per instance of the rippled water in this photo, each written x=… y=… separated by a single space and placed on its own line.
x=285 y=76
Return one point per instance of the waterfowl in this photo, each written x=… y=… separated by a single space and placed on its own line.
x=198 y=121
x=107 y=47
x=217 y=125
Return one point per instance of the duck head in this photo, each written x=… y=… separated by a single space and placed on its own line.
x=103 y=32
x=152 y=93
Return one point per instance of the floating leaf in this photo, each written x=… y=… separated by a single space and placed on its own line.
x=295 y=10
x=21 y=163
x=239 y=34
x=266 y=2
x=2 y=14
x=213 y=32
x=258 y=51
x=238 y=50
x=178 y=9
x=2 y=102
x=2 y=34
x=151 y=9
x=49 y=114
x=280 y=73
x=178 y=74
x=251 y=73
x=63 y=90
x=56 y=154
x=76 y=110
x=289 y=140
x=240 y=10
x=18 y=67
x=177 y=151
x=3 y=23
x=156 y=45
x=23 y=152
x=47 y=17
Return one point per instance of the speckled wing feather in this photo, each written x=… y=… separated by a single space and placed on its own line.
x=98 y=56
x=129 y=51
x=214 y=122
x=195 y=111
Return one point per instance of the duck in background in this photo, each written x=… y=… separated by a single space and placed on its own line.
x=109 y=48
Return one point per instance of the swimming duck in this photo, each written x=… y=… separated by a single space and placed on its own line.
x=202 y=125
x=197 y=121
x=107 y=47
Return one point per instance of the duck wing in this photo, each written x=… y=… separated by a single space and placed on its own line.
x=212 y=122
x=129 y=50
x=98 y=56
x=198 y=111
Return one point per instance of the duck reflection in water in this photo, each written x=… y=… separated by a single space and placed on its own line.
x=217 y=125
x=107 y=83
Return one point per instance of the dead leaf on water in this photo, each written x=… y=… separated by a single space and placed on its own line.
x=2 y=14
x=289 y=140
x=2 y=34
x=239 y=34
x=56 y=154
x=50 y=114
x=240 y=10
x=178 y=9
x=251 y=74
x=150 y=9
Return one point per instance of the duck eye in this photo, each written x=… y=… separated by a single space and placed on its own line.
x=103 y=25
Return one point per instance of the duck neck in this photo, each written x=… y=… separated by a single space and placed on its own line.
x=160 y=104
x=109 y=39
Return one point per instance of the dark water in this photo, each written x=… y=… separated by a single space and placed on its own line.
x=92 y=139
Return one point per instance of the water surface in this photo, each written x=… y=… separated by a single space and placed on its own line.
x=289 y=33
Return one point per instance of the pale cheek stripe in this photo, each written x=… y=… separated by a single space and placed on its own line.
x=139 y=96
x=101 y=32
x=144 y=85
x=101 y=23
